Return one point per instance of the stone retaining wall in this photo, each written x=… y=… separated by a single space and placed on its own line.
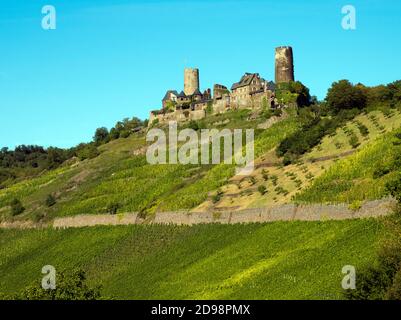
x=287 y=212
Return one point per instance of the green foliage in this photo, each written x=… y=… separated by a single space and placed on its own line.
x=50 y=201
x=16 y=207
x=113 y=207
x=311 y=134
x=88 y=151
x=361 y=176
x=70 y=285
x=262 y=190
x=394 y=188
x=195 y=125
x=293 y=91
x=344 y=95
x=354 y=141
x=170 y=106
x=355 y=205
x=213 y=261
x=217 y=197
x=101 y=135
x=155 y=122
x=209 y=108
x=265 y=175
x=381 y=280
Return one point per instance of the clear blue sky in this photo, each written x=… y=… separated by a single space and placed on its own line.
x=113 y=59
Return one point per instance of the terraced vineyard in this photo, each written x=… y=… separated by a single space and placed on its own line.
x=334 y=171
x=120 y=176
x=281 y=260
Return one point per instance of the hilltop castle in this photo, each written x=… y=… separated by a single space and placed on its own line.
x=251 y=91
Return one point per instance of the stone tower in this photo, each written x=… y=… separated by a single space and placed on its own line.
x=284 y=65
x=191 y=81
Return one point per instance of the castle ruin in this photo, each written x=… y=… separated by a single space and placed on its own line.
x=251 y=91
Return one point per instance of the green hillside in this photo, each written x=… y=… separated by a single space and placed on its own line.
x=122 y=177
x=361 y=176
x=297 y=260
x=340 y=150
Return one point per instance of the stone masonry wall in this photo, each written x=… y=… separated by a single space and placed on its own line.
x=287 y=212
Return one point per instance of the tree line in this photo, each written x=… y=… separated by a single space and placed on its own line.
x=30 y=160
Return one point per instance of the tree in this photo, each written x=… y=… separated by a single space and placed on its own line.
x=87 y=151
x=101 y=135
x=114 y=134
x=304 y=98
x=344 y=95
x=69 y=286
x=55 y=157
x=395 y=89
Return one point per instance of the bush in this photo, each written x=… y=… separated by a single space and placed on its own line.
x=262 y=189
x=50 y=201
x=88 y=151
x=394 y=188
x=354 y=141
x=265 y=175
x=394 y=293
x=69 y=286
x=113 y=207
x=16 y=207
x=125 y=134
x=355 y=206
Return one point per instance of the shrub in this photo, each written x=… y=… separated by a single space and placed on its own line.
x=70 y=285
x=113 y=207
x=125 y=134
x=87 y=152
x=380 y=172
x=265 y=175
x=394 y=188
x=363 y=129
x=16 y=207
x=262 y=189
x=355 y=206
x=252 y=180
x=217 y=197
x=354 y=141
x=50 y=201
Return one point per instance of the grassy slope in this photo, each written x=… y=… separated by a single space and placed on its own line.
x=282 y=260
x=332 y=180
x=117 y=176
x=352 y=179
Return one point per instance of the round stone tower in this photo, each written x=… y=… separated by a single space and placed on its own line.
x=191 y=81
x=284 y=65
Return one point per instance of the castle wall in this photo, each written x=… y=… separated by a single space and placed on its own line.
x=221 y=105
x=178 y=115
